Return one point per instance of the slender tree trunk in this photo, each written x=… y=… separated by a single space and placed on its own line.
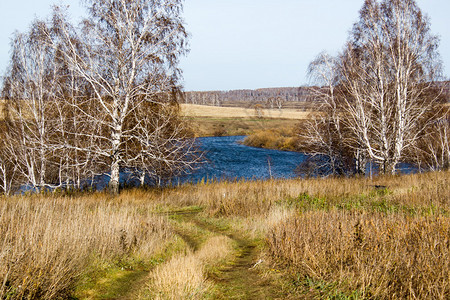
x=114 y=181
x=115 y=164
x=116 y=138
x=142 y=178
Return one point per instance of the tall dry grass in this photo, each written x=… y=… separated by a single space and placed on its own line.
x=386 y=237
x=382 y=256
x=419 y=193
x=48 y=242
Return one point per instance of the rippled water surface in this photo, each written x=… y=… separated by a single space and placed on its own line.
x=228 y=159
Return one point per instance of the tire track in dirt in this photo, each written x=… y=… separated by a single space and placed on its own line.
x=239 y=279
x=131 y=289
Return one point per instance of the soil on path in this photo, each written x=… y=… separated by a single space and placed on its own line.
x=239 y=278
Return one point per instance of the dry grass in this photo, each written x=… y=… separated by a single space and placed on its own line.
x=417 y=194
x=194 y=110
x=2 y=103
x=344 y=237
x=215 y=249
x=184 y=276
x=281 y=138
x=380 y=256
x=47 y=243
x=204 y=126
x=343 y=233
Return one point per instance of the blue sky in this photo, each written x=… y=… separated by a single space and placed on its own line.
x=246 y=44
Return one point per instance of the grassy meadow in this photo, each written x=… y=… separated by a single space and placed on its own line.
x=194 y=110
x=225 y=121
x=334 y=238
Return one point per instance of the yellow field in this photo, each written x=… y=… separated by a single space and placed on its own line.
x=194 y=110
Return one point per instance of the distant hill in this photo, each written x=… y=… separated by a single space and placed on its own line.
x=282 y=97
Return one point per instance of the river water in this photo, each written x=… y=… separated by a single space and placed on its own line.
x=229 y=159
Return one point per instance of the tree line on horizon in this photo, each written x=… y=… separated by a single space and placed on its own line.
x=271 y=98
x=274 y=98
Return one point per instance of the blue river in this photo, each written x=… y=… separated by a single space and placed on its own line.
x=228 y=159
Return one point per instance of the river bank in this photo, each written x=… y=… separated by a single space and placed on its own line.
x=207 y=121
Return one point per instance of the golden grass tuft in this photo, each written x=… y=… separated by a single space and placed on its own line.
x=215 y=249
x=184 y=276
x=181 y=278
x=278 y=138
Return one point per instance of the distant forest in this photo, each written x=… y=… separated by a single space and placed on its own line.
x=284 y=97
x=281 y=97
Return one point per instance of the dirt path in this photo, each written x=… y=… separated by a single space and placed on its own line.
x=239 y=278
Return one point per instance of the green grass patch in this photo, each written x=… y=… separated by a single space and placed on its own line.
x=306 y=202
x=115 y=279
x=319 y=289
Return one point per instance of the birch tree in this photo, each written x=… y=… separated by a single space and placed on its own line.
x=386 y=77
x=128 y=52
x=321 y=134
x=77 y=137
x=157 y=147
x=432 y=152
x=389 y=68
x=29 y=89
x=99 y=99
x=7 y=166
